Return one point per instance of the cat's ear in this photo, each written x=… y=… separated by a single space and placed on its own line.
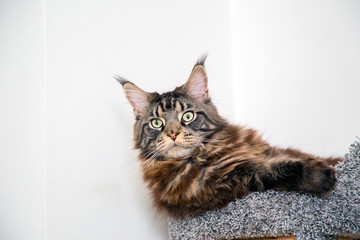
x=197 y=84
x=139 y=99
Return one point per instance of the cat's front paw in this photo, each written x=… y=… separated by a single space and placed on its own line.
x=318 y=177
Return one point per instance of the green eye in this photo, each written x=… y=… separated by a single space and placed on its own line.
x=188 y=116
x=156 y=123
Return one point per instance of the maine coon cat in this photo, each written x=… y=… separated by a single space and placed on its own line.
x=193 y=160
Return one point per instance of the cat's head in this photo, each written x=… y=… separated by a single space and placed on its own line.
x=174 y=124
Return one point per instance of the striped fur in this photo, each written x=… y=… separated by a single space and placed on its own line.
x=199 y=165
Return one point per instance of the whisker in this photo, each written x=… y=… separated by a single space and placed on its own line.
x=152 y=157
x=211 y=140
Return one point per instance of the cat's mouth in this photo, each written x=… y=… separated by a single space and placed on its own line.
x=177 y=147
x=178 y=151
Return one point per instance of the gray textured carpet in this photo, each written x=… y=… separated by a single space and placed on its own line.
x=274 y=213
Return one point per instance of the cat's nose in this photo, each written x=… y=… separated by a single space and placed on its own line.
x=172 y=130
x=173 y=135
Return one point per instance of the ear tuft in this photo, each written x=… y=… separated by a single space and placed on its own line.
x=138 y=98
x=197 y=84
x=121 y=80
x=201 y=60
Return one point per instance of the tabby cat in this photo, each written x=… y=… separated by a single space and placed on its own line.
x=193 y=160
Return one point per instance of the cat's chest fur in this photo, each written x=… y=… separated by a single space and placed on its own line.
x=196 y=182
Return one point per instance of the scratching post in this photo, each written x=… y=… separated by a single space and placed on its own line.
x=279 y=214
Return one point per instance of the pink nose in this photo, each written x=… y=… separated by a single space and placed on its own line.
x=173 y=135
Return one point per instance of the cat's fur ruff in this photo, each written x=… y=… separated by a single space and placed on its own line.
x=192 y=167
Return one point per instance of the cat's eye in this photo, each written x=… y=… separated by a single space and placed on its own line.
x=188 y=116
x=156 y=123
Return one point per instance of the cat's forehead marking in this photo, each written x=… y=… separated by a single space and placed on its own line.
x=169 y=104
x=159 y=110
x=163 y=103
x=178 y=106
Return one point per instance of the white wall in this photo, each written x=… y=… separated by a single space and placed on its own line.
x=296 y=71
x=22 y=120
x=68 y=170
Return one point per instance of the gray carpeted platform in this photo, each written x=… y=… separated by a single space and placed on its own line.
x=274 y=213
